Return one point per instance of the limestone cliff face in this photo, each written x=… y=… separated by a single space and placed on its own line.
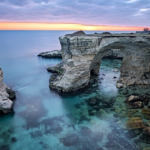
x=82 y=55
x=5 y=103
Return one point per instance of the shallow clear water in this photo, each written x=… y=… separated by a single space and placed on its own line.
x=43 y=119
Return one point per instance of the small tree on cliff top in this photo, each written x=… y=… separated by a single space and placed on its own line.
x=146 y=29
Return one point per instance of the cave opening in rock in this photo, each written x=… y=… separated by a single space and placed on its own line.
x=134 y=69
x=107 y=63
x=106 y=73
x=82 y=58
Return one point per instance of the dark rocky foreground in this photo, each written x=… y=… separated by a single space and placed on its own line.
x=137 y=111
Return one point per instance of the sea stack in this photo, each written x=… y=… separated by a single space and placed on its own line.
x=6 y=93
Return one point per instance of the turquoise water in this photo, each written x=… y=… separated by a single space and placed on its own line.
x=43 y=119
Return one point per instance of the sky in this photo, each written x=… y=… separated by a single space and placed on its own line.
x=131 y=13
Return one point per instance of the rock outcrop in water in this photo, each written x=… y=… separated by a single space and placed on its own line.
x=113 y=53
x=82 y=57
x=5 y=95
x=51 y=54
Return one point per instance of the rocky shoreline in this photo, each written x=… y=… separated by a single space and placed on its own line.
x=7 y=96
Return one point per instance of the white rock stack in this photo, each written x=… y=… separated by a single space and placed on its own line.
x=5 y=103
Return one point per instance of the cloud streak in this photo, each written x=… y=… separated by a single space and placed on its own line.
x=132 y=1
x=90 y=12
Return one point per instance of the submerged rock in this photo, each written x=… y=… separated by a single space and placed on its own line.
x=55 y=127
x=77 y=106
x=145 y=112
x=133 y=98
x=4 y=147
x=5 y=94
x=35 y=134
x=135 y=123
x=117 y=142
x=92 y=101
x=13 y=140
x=138 y=104
x=70 y=139
x=146 y=131
x=147 y=148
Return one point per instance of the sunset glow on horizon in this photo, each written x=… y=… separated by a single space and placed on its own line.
x=64 y=26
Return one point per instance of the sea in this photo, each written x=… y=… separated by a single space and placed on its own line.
x=43 y=119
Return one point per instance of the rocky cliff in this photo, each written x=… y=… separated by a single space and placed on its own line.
x=5 y=95
x=82 y=56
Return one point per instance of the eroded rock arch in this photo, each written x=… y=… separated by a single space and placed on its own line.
x=81 y=54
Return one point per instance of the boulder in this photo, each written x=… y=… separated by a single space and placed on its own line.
x=145 y=111
x=55 y=127
x=135 y=123
x=85 y=131
x=119 y=85
x=133 y=98
x=78 y=33
x=146 y=131
x=138 y=104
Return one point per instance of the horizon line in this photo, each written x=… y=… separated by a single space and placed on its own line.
x=64 y=26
